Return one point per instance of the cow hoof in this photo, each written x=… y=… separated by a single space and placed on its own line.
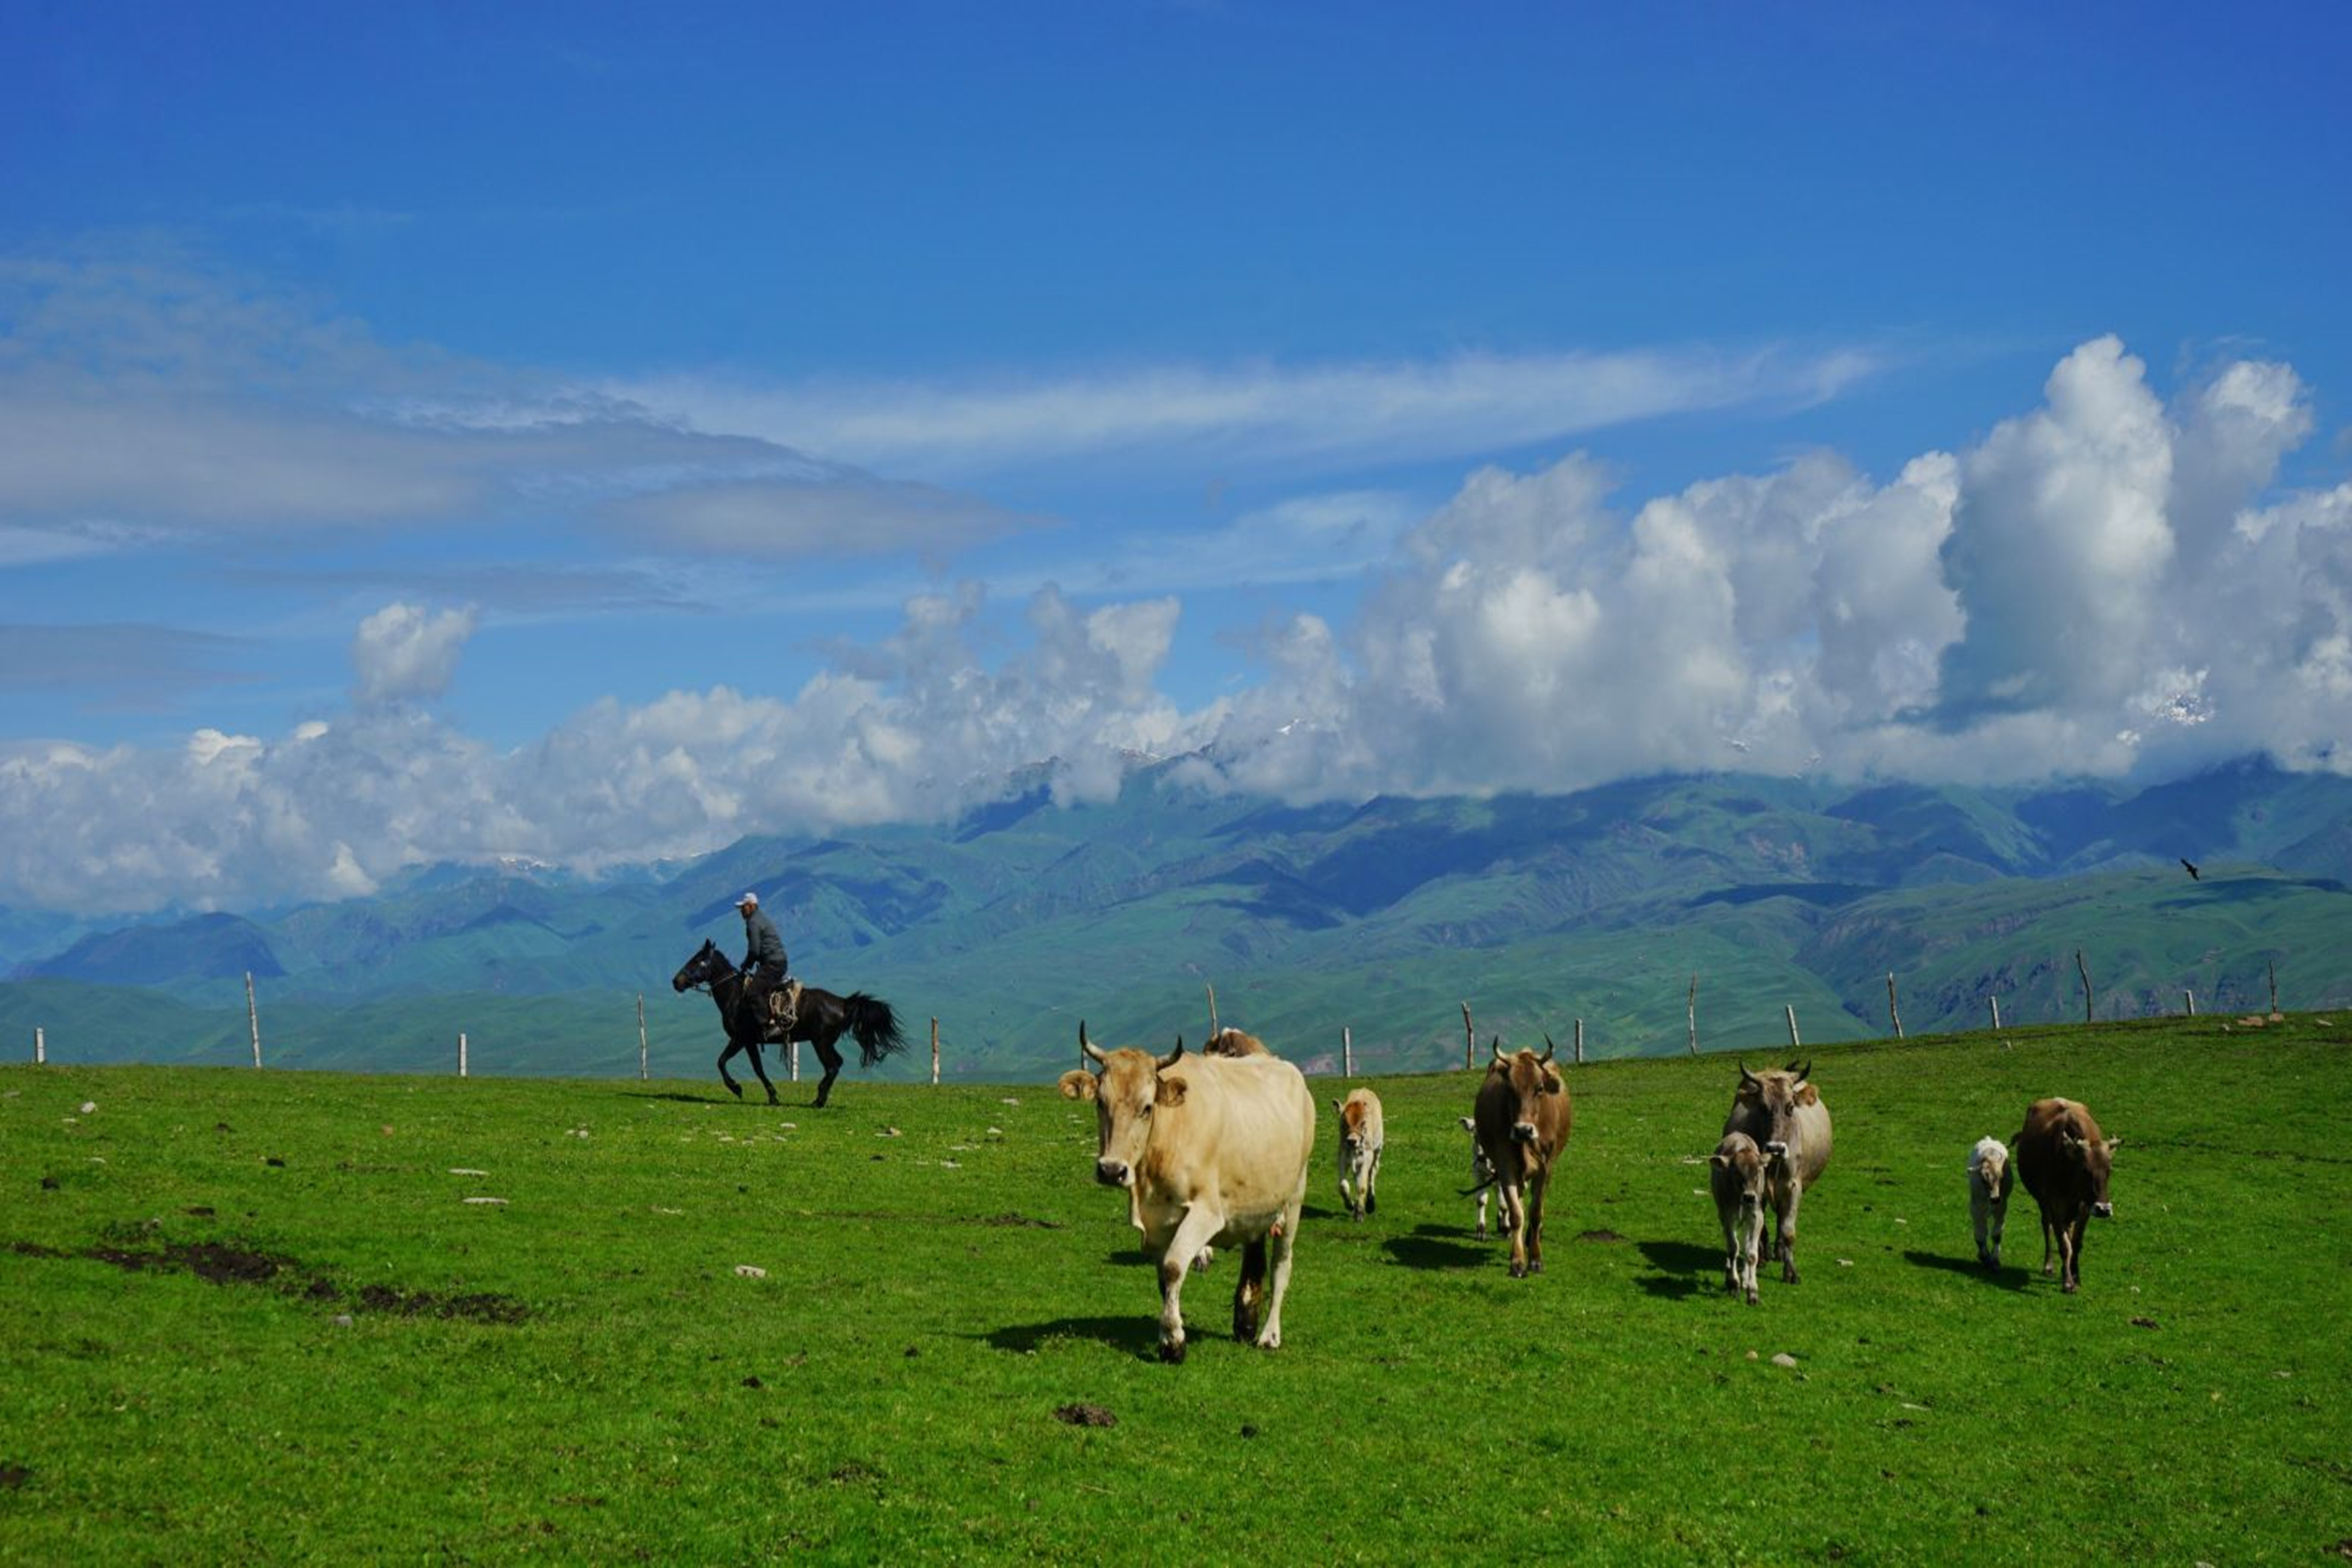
x=1518 y=1271
x=1270 y=1342
x=1370 y=1203
x=1173 y=1352
x=1753 y=1298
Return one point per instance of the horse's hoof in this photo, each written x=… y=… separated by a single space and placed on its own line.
x=736 y=1090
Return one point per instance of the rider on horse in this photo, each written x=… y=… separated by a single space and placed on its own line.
x=765 y=966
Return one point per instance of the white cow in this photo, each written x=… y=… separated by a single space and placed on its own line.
x=1209 y=1150
x=1482 y=1172
x=1990 y=1177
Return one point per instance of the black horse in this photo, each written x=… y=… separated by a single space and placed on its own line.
x=824 y=1020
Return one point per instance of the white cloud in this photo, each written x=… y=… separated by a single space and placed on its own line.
x=402 y=652
x=2102 y=585
x=1249 y=416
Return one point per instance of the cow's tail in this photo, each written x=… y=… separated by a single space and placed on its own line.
x=874 y=1024
x=1474 y=1191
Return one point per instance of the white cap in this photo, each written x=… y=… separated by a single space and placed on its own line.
x=749 y=901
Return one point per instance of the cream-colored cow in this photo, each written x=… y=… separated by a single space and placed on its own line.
x=1363 y=1134
x=1209 y=1150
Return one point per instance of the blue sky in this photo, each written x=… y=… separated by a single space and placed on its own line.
x=573 y=432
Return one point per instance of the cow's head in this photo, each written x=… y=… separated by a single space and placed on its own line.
x=1739 y=1168
x=1127 y=1091
x=1772 y=1099
x=2096 y=1157
x=1530 y=1078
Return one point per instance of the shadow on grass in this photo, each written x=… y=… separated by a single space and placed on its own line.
x=719 y=1097
x=1436 y=1247
x=1681 y=1266
x=2005 y=1279
x=1134 y=1333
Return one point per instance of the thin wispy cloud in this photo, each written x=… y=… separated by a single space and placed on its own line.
x=1251 y=414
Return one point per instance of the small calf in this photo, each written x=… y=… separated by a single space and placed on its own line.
x=1990 y=1181
x=1482 y=1172
x=1739 y=1171
x=1363 y=1134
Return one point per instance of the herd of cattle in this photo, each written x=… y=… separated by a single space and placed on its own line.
x=1212 y=1151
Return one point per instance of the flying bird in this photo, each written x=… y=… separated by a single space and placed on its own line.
x=2192 y=870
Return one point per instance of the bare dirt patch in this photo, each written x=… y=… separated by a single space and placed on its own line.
x=481 y=1307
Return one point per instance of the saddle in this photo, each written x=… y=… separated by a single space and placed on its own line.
x=783 y=1010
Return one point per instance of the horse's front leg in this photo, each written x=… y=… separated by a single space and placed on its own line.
x=760 y=1068
x=831 y=1060
x=733 y=1087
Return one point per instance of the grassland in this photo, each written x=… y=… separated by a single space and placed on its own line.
x=252 y=1316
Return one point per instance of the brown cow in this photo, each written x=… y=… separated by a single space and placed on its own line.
x=1523 y=1113
x=1077 y=1084
x=1209 y=1150
x=1363 y=1134
x=1739 y=1176
x=1234 y=1043
x=1784 y=1114
x=2064 y=1161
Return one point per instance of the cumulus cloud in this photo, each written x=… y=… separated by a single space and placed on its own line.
x=2106 y=584
x=402 y=652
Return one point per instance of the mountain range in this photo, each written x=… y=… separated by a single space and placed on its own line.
x=1380 y=919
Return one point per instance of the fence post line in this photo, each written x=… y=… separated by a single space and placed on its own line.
x=1580 y=1042
x=1793 y=1026
x=1694 y=1016
x=793 y=1058
x=642 y=1062
x=935 y=1053
x=41 y=1046
x=2190 y=997
x=1894 y=1007
x=2087 y=995
x=1469 y=1037
x=2275 y=1006
x=1347 y=1051
x=1212 y=1012
x=1996 y=1010
x=461 y=1053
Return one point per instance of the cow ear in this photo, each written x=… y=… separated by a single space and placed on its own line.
x=1339 y=1106
x=1808 y=1095
x=1170 y=1092
x=2114 y=1145
x=1720 y=1162
x=1469 y=1124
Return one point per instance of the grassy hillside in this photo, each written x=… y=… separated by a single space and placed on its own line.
x=254 y=1315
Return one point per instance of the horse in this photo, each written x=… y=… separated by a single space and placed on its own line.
x=823 y=1019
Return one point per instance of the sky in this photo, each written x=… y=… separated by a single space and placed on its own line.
x=589 y=434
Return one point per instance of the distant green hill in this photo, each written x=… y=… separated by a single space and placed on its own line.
x=1382 y=919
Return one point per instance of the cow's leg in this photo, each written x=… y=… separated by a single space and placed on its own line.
x=1999 y=1220
x=1485 y=1194
x=2049 y=1242
x=1192 y=1233
x=759 y=1066
x=1373 y=1184
x=1249 y=1291
x=1981 y=1211
x=1510 y=1218
x=733 y=1087
x=2075 y=1251
x=1540 y=1188
x=1735 y=1227
x=1752 y=1243
x=1795 y=1198
x=1278 y=1245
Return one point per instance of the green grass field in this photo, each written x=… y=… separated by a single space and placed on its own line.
x=251 y=1316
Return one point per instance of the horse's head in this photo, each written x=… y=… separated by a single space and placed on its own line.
x=707 y=964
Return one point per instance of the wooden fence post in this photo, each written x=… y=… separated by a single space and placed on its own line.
x=1894 y=1007
x=1694 y=1016
x=461 y=1053
x=1347 y=1051
x=1212 y=1012
x=935 y=1053
x=41 y=1046
x=1793 y=1026
x=2275 y=1006
x=2190 y=998
x=1996 y=1010
x=1580 y=1042
x=2086 y=984
x=793 y=1058
x=643 y=1065
x=1469 y=1037
x=253 y=1017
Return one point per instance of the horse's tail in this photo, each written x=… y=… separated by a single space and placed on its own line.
x=876 y=1026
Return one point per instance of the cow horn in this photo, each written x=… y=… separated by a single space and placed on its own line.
x=1549 y=1048
x=1746 y=1077
x=1086 y=1047
x=1496 y=1046
x=1170 y=1060
x=1803 y=1075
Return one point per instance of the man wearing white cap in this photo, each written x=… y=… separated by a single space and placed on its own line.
x=765 y=963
